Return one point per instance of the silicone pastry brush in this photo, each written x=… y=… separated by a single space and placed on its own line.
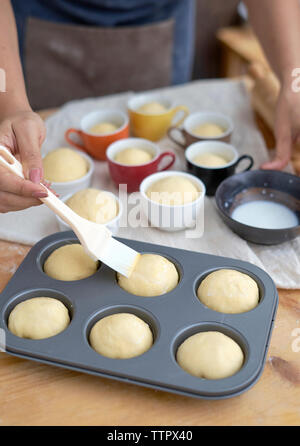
x=95 y=238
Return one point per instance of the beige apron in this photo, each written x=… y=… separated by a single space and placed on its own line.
x=65 y=62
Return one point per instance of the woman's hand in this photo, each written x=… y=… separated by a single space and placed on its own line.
x=286 y=127
x=23 y=134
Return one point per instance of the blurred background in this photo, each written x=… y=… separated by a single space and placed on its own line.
x=224 y=46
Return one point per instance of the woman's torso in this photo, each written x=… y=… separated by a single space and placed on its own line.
x=118 y=13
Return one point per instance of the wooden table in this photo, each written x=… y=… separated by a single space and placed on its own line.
x=36 y=394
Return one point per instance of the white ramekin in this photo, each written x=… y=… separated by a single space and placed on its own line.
x=70 y=187
x=167 y=217
x=112 y=225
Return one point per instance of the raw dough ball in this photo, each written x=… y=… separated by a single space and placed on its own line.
x=103 y=128
x=38 y=318
x=152 y=108
x=121 y=336
x=133 y=157
x=153 y=275
x=63 y=165
x=229 y=291
x=210 y=160
x=70 y=262
x=173 y=190
x=210 y=355
x=208 y=129
x=94 y=205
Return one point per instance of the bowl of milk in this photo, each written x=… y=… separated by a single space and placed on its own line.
x=261 y=206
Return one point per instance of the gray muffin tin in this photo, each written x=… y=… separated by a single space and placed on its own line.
x=172 y=317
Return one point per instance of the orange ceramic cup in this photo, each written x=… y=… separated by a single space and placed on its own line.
x=153 y=126
x=96 y=144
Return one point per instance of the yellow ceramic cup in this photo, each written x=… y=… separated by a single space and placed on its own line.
x=154 y=126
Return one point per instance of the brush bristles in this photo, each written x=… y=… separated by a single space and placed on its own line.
x=119 y=257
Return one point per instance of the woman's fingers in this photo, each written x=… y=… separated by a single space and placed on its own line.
x=29 y=132
x=48 y=186
x=9 y=182
x=283 y=134
x=283 y=149
x=22 y=133
x=276 y=164
x=10 y=202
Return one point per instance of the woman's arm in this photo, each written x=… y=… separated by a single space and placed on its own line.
x=21 y=130
x=277 y=25
x=15 y=97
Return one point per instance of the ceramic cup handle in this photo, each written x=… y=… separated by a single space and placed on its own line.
x=245 y=157
x=180 y=110
x=165 y=155
x=70 y=140
x=171 y=135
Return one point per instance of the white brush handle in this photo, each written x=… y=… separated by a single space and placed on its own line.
x=55 y=204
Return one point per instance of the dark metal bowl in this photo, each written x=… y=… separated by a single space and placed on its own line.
x=271 y=185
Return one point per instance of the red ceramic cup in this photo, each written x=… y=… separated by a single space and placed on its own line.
x=133 y=175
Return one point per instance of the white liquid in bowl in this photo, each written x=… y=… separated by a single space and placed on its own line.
x=265 y=214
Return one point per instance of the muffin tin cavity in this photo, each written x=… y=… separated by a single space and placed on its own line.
x=48 y=250
x=187 y=332
x=34 y=293
x=259 y=282
x=177 y=266
x=139 y=312
x=172 y=318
